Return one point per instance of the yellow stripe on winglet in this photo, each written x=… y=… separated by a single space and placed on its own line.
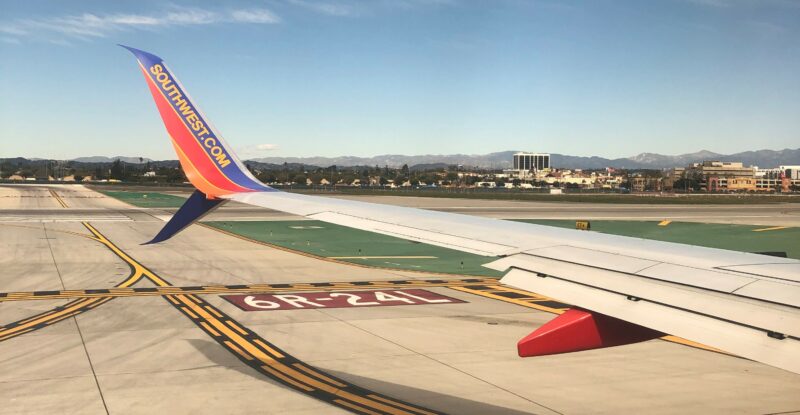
x=774 y=228
x=664 y=222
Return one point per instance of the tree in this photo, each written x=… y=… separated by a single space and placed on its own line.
x=116 y=171
x=686 y=184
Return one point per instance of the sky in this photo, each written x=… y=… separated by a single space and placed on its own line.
x=341 y=77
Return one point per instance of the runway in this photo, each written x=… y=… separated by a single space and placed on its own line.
x=94 y=322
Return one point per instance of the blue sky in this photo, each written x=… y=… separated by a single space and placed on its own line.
x=329 y=77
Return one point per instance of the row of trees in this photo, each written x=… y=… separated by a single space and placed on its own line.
x=116 y=170
x=333 y=174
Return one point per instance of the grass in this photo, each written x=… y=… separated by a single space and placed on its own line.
x=666 y=199
x=329 y=240
x=724 y=236
x=146 y=199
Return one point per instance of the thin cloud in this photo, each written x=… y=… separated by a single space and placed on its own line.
x=89 y=25
x=330 y=9
x=192 y=17
x=352 y=8
x=257 y=150
x=255 y=16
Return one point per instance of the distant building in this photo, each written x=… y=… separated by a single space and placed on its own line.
x=531 y=161
x=714 y=175
x=726 y=169
x=742 y=184
x=791 y=172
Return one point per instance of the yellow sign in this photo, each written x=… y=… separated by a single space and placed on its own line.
x=583 y=225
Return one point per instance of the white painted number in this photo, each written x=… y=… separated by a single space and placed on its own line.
x=353 y=299
x=263 y=304
x=297 y=301
x=382 y=296
x=424 y=300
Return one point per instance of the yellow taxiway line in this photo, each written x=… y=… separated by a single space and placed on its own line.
x=58 y=198
x=774 y=228
x=233 y=289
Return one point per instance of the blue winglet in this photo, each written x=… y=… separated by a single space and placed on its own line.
x=197 y=206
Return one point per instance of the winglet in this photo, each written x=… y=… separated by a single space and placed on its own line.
x=147 y=59
x=209 y=163
x=197 y=206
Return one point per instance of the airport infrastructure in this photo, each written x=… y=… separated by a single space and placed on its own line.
x=252 y=311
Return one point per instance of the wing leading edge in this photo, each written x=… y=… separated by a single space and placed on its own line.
x=743 y=303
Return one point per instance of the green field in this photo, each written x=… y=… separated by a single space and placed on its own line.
x=503 y=194
x=329 y=240
x=733 y=237
x=146 y=199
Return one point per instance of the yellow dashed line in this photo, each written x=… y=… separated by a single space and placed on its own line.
x=209 y=328
x=236 y=327
x=125 y=291
x=58 y=198
x=510 y=300
x=269 y=349
x=238 y=350
x=287 y=379
x=189 y=312
x=419 y=411
x=318 y=375
x=213 y=311
x=356 y=407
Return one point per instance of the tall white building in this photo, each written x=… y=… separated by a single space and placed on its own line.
x=531 y=161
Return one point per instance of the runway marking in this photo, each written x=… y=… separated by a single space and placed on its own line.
x=539 y=302
x=270 y=361
x=59 y=313
x=774 y=228
x=255 y=351
x=514 y=296
x=502 y=293
x=58 y=198
x=239 y=289
x=664 y=222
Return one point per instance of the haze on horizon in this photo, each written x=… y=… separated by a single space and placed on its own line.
x=329 y=78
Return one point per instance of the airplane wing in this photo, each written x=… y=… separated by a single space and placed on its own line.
x=627 y=289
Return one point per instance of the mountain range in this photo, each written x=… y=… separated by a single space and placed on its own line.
x=498 y=160
x=104 y=159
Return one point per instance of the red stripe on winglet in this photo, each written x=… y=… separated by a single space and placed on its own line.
x=189 y=145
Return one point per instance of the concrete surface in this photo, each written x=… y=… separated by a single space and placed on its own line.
x=141 y=355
